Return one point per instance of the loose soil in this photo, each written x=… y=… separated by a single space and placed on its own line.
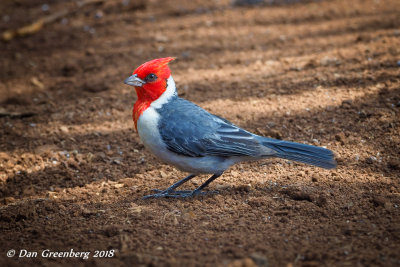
x=73 y=170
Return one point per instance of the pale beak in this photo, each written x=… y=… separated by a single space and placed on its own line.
x=134 y=80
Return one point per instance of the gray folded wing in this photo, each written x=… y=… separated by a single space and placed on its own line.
x=189 y=130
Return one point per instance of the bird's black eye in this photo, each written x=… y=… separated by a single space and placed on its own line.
x=151 y=77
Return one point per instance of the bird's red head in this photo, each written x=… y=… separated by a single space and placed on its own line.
x=150 y=82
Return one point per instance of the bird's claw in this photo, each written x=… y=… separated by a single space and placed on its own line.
x=178 y=194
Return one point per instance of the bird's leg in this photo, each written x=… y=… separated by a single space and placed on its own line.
x=170 y=191
x=198 y=191
x=179 y=183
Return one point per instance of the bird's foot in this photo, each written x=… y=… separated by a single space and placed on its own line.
x=179 y=194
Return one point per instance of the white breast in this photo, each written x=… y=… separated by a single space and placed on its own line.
x=148 y=121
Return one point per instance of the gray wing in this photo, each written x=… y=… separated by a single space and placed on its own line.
x=189 y=130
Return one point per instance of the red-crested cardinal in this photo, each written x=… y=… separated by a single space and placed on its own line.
x=182 y=134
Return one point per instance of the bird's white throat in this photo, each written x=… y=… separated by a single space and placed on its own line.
x=164 y=98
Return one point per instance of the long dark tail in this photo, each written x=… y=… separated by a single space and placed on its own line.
x=313 y=155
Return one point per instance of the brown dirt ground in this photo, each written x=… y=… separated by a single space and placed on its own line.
x=73 y=171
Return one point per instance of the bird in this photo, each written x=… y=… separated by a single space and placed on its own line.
x=182 y=134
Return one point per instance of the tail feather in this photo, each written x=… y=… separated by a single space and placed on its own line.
x=317 y=156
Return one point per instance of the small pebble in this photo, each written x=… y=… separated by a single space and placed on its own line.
x=99 y=14
x=371 y=159
x=64 y=129
x=64 y=21
x=45 y=7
